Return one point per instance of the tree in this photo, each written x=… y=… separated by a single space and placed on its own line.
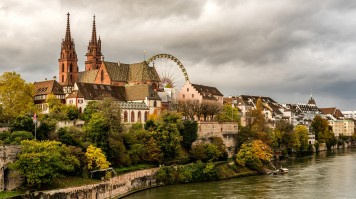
x=97 y=129
x=228 y=114
x=300 y=136
x=254 y=155
x=23 y=123
x=16 y=96
x=42 y=161
x=72 y=112
x=189 y=133
x=327 y=137
x=319 y=125
x=17 y=136
x=96 y=158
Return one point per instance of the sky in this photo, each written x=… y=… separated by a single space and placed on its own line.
x=283 y=49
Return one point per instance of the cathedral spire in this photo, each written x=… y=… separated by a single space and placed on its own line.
x=68 y=36
x=93 y=34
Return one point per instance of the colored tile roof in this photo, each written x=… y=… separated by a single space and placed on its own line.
x=88 y=76
x=140 y=92
x=48 y=87
x=133 y=105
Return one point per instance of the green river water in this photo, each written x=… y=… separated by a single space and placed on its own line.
x=322 y=175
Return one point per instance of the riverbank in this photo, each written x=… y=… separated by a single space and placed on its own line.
x=129 y=183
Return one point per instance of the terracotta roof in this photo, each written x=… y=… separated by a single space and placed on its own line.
x=332 y=111
x=207 y=92
x=99 y=91
x=48 y=87
x=133 y=105
x=76 y=94
x=88 y=76
x=140 y=92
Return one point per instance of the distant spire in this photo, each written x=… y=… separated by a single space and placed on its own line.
x=68 y=36
x=93 y=34
x=311 y=93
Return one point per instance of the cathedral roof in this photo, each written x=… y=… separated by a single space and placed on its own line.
x=48 y=87
x=131 y=72
x=88 y=76
x=140 y=92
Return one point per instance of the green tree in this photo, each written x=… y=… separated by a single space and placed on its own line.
x=167 y=134
x=318 y=126
x=23 y=123
x=254 y=155
x=189 y=133
x=300 y=136
x=72 y=112
x=16 y=96
x=228 y=114
x=42 y=161
x=327 y=137
x=17 y=136
x=97 y=129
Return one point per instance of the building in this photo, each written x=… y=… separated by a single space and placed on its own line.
x=272 y=110
x=342 y=127
x=200 y=93
x=44 y=89
x=349 y=114
x=332 y=113
x=136 y=101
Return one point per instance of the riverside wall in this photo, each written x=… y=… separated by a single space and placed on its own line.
x=225 y=130
x=115 y=187
x=9 y=179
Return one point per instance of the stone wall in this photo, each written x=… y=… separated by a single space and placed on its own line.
x=116 y=187
x=9 y=179
x=225 y=130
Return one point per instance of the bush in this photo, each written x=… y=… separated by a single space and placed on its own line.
x=17 y=136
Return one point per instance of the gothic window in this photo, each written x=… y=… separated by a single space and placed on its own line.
x=139 y=116
x=62 y=78
x=146 y=115
x=125 y=116
x=70 y=67
x=62 y=68
x=71 y=78
x=102 y=75
x=132 y=116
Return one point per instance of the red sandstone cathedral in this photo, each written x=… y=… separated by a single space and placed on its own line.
x=98 y=71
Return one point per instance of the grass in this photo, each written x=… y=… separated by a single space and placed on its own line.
x=7 y=194
x=134 y=168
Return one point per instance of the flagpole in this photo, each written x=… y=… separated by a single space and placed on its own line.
x=35 y=121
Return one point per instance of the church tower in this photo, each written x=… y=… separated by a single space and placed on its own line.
x=94 y=51
x=68 y=62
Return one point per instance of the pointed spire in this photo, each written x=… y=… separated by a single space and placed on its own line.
x=68 y=36
x=93 y=34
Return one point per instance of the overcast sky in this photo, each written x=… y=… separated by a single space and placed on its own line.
x=276 y=48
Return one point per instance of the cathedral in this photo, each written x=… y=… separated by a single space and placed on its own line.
x=134 y=85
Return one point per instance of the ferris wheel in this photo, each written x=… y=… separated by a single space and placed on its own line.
x=170 y=70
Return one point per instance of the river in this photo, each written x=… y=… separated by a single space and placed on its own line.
x=322 y=175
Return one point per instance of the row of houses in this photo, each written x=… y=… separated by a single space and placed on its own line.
x=295 y=114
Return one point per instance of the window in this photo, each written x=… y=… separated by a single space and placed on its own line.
x=183 y=96
x=70 y=67
x=139 y=116
x=125 y=116
x=192 y=95
x=155 y=103
x=146 y=115
x=62 y=68
x=102 y=75
x=187 y=89
x=62 y=78
x=80 y=101
x=132 y=116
